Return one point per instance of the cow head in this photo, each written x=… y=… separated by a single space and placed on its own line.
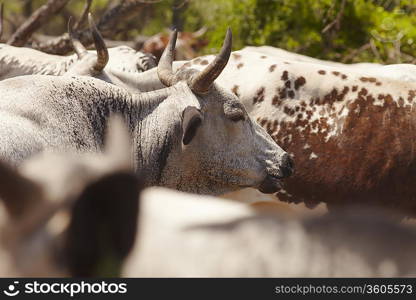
x=65 y=214
x=220 y=147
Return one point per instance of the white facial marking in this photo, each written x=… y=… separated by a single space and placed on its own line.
x=313 y=156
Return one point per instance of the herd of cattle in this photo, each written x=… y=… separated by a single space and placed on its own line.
x=93 y=145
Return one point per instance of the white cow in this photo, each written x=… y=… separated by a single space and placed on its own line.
x=183 y=235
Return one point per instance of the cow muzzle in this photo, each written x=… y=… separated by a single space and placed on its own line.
x=287 y=166
x=273 y=180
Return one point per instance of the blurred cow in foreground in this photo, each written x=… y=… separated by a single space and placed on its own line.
x=213 y=237
x=69 y=214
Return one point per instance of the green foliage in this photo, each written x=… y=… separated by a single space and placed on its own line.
x=341 y=30
x=297 y=25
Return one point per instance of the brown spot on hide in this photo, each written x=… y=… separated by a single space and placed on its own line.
x=276 y=101
x=368 y=79
x=411 y=95
x=285 y=75
x=263 y=122
x=235 y=90
x=299 y=82
x=401 y=101
x=259 y=97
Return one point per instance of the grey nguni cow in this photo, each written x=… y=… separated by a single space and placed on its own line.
x=18 y=61
x=192 y=136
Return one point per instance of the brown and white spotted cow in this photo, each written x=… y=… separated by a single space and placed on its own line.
x=352 y=136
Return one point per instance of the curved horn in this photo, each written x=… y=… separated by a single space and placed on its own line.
x=1 y=19
x=76 y=44
x=102 y=52
x=164 y=68
x=202 y=81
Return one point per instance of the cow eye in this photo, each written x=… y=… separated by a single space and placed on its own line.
x=236 y=115
x=234 y=111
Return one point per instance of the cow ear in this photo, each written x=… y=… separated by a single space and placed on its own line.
x=191 y=120
x=18 y=193
x=103 y=225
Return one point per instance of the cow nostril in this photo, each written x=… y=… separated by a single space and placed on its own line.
x=287 y=165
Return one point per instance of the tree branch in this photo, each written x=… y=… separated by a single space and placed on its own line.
x=84 y=15
x=1 y=19
x=106 y=25
x=35 y=21
x=374 y=50
x=355 y=52
x=337 y=22
x=409 y=58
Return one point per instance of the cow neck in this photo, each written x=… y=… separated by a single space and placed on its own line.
x=152 y=129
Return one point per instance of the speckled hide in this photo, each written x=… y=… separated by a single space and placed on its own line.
x=351 y=136
x=403 y=72
x=69 y=113
x=293 y=56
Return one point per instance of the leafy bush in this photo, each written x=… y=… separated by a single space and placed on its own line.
x=343 y=30
x=340 y=30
